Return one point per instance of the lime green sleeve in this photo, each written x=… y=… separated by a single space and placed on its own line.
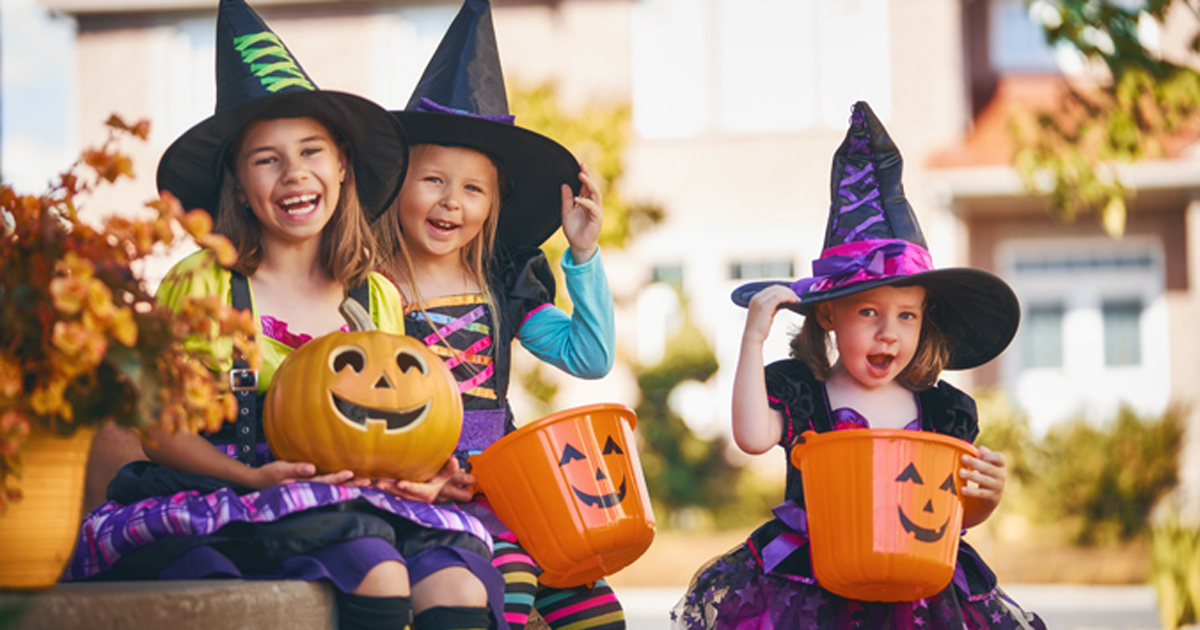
x=199 y=275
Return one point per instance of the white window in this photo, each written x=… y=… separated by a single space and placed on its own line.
x=1093 y=333
x=756 y=65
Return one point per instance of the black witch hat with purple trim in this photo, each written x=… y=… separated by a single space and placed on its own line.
x=257 y=77
x=872 y=239
x=460 y=100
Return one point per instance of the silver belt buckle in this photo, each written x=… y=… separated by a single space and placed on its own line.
x=243 y=380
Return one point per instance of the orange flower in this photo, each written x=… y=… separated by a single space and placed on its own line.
x=48 y=399
x=10 y=377
x=72 y=264
x=14 y=428
x=77 y=339
x=198 y=223
x=124 y=328
x=99 y=300
x=69 y=293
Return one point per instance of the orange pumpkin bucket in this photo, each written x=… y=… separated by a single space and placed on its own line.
x=884 y=510
x=570 y=486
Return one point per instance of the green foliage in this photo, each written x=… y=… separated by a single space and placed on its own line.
x=1006 y=430
x=597 y=136
x=1099 y=482
x=1103 y=481
x=1068 y=154
x=682 y=471
x=1175 y=572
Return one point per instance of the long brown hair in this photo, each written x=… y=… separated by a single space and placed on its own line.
x=812 y=345
x=348 y=252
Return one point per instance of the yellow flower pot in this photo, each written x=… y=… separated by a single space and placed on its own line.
x=39 y=531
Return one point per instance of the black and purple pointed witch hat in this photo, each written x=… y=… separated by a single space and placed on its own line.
x=873 y=239
x=258 y=77
x=460 y=100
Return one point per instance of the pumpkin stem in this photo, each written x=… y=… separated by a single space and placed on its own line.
x=356 y=316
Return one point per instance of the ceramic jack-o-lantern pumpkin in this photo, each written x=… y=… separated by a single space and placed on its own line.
x=571 y=488
x=884 y=510
x=379 y=404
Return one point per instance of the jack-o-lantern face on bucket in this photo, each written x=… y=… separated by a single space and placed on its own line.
x=933 y=503
x=379 y=404
x=578 y=471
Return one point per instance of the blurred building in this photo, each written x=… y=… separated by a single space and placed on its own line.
x=738 y=106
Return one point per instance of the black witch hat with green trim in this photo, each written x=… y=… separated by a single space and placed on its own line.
x=257 y=77
x=460 y=100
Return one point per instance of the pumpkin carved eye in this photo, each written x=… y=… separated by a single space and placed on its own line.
x=611 y=447
x=910 y=474
x=348 y=356
x=407 y=362
x=570 y=454
x=948 y=484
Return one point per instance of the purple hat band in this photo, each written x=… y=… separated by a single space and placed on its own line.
x=430 y=107
x=859 y=261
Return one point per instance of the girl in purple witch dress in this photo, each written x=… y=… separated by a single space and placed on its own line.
x=896 y=322
x=291 y=175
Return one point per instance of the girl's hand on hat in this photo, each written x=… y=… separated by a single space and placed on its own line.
x=582 y=217
x=985 y=476
x=762 y=309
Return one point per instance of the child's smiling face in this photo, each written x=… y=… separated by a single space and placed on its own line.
x=876 y=331
x=447 y=196
x=290 y=172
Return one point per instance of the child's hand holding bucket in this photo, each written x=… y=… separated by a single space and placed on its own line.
x=985 y=476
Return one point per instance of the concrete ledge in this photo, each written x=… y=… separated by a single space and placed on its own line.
x=182 y=605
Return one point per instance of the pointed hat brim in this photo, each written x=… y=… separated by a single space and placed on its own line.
x=977 y=311
x=192 y=167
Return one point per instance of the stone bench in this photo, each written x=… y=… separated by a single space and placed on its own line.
x=170 y=605
x=182 y=605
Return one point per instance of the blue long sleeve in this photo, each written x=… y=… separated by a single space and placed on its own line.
x=582 y=344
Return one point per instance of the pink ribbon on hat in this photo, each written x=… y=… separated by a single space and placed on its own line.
x=858 y=261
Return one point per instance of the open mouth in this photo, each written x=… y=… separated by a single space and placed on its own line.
x=442 y=226
x=300 y=204
x=601 y=500
x=361 y=417
x=880 y=362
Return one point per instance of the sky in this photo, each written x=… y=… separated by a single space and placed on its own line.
x=37 y=121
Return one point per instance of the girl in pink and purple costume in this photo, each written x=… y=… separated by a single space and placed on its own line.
x=897 y=322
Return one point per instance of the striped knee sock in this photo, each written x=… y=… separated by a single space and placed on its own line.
x=520 y=582
x=581 y=608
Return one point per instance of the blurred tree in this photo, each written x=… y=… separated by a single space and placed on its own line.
x=1069 y=155
x=597 y=136
x=682 y=470
x=1103 y=481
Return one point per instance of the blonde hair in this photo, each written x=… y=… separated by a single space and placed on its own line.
x=475 y=257
x=812 y=345
x=347 y=252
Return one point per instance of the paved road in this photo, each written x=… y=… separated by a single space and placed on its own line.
x=1063 y=607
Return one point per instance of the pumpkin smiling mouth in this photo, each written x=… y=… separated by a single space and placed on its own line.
x=923 y=534
x=361 y=417
x=602 y=500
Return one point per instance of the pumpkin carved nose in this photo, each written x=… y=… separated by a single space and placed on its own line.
x=383 y=382
x=600 y=476
x=928 y=507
